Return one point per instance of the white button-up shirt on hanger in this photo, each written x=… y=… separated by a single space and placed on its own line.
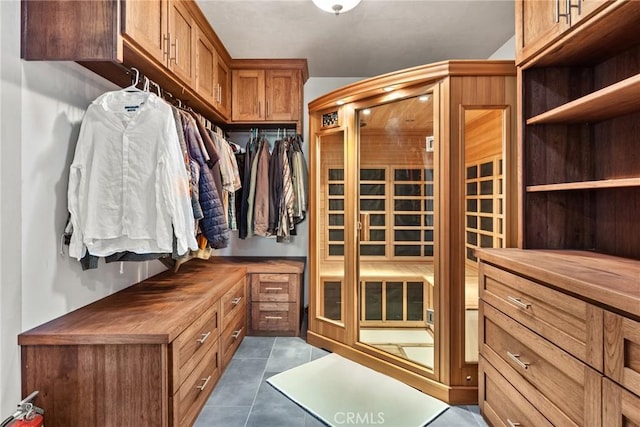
x=128 y=187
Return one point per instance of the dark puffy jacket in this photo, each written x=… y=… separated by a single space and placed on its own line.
x=214 y=224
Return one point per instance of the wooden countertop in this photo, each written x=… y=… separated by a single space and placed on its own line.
x=154 y=311
x=605 y=280
x=263 y=264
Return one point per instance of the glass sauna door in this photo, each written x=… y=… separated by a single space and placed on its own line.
x=396 y=203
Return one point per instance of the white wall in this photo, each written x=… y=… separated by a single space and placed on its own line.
x=506 y=51
x=41 y=107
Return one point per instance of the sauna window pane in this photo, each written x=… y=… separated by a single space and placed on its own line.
x=428 y=205
x=415 y=300
x=372 y=174
x=428 y=189
x=372 y=189
x=407 y=189
x=377 y=235
x=472 y=205
x=336 y=205
x=470 y=254
x=336 y=189
x=371 y=205
x=486 y=224
x=336 y=250
x=428 y=235
x=499 y=187
x=407 y=220
x=377 y=220
x=428 y=174
x=407 y=175
x=407 y=205
x=394 y=300
x=472 y=188
x=336 y=174
x=333 y=300
x=486 y=205
x=472 y=238
x=336 y=219
x=406 y=235
x=372 y=250
x=472 y=172
x=428 y=250
x=336 y=235
x=373 y=300
x=500 y=167
x=486 y=241
x=406 y=250
x=428 y=220
x=486 y=169
x=472 y=221
x=486 y=187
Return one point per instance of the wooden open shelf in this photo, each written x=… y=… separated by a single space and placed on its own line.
x=616 y=100
x=586 y=185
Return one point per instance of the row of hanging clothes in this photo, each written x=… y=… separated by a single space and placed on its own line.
x=149 y=180
x=274 y=187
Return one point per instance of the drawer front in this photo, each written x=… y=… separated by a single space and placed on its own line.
x=622 y=351
x=501 y=404
x=275 y=287
x=188 y=348
x=233 y=302
x=569 y=323
x=232 y=337
x=621 y=408
x=194 y=392
x=267 y=316
x=567 y=383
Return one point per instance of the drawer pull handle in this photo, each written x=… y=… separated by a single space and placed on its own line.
x=236 y=334
x=516 y=358
x=204 y=337
x=273 y=317
x=512 y=424
x=272 y=289
x=236 y=301
x=204 y=384
x=519 y=302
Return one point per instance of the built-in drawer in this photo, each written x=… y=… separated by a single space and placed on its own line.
x=271 y=287
x=564 y=381
x=274 y=316
x=622 y=351
x=191 y=396
x=188 y=348
x=232 y=337
x=574 y=325
x=621 y=408
x=502 y=405
x=233 y=302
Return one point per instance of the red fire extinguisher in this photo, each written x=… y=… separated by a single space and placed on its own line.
x=27 y=414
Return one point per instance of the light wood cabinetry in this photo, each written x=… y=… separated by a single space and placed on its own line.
x=268 y=92
x=223 y=83
x=146 y=24
x=147 y=355
x=275 y=303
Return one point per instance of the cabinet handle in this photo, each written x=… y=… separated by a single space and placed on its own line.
x=166 y=41
x=518 y=302
x=574 y=6
x=236 y=334
x=272 y=289
x=236 y=301
x=566 y=15
x=512 y=424
x=273 y=317
x=219 y=93
x=204 y=384
x=267 y=110
x=204 y=337
x=516 y=358
x=365 y=226
x=175 y=51
x=259 y=108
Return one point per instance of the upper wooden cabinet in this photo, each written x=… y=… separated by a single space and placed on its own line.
x=223 y=83
x=264 y=94
x=180 y=39
x=541 y=22
x=145 y=23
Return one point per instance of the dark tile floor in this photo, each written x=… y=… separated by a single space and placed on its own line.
x=242 y=397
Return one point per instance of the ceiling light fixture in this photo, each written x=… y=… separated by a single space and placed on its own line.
x=336 y=6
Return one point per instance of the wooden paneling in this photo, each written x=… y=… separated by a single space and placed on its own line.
x=483 y=131
x=620 y=408
x=248 y=95
x=622 y=351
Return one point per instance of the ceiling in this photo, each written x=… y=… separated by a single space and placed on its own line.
x=376 y=37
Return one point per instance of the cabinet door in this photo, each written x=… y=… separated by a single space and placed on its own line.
x=619 y=407
x=282 y=95
x=248 y=95
x=223 y=83
x=206 y=59
x=182 y=31
x=145 y=24
x=538 y=23
x=586 y=9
